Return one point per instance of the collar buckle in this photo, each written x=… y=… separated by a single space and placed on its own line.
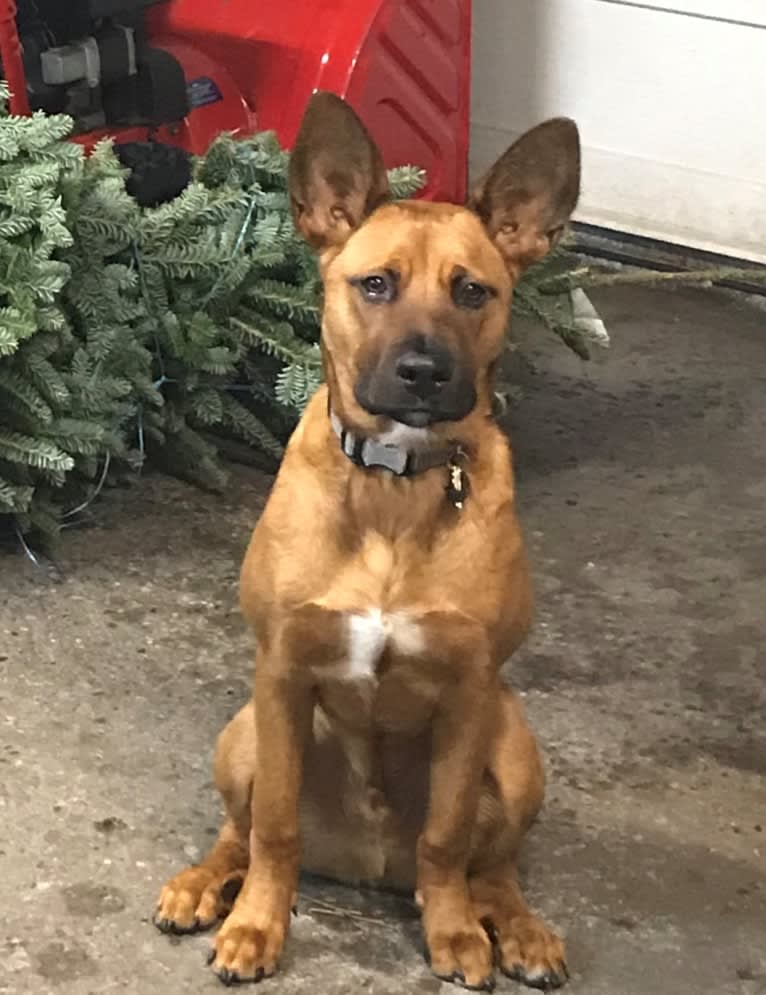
x=370 y=454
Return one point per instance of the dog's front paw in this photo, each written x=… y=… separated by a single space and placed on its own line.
x=532 y=953
x=462 y=953
x=195 y=899
x=244 y=950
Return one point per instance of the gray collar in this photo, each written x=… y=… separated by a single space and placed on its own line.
x=372 y=454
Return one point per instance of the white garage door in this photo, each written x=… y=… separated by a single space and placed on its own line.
x=670 y=96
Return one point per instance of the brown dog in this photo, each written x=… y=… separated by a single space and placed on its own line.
x=387 y=582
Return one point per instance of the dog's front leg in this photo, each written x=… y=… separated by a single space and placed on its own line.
x=250 y=941
x=458 y=946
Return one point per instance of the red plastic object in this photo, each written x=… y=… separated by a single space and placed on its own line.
x=10 y=54
x=404 y=65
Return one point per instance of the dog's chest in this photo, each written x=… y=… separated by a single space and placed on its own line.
x=375 y=672
x=376 y=694
x=380 y=679
x=370 y=635
x=375 y=579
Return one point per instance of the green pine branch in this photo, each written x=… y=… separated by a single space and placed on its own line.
x=37 y=453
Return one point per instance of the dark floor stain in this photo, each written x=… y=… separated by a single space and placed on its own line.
x=746 y=754
x=545 y=672
x=93 y=900
x=63 y=962
x=110 y=824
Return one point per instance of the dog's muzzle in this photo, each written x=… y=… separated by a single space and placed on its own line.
x=417 y=381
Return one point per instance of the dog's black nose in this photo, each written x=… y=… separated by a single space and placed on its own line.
x=424 y=372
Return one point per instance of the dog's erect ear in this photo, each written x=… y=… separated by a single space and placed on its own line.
x=527 y=197
x=337 y=176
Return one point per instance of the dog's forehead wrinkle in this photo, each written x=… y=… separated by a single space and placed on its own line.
x=424 y=243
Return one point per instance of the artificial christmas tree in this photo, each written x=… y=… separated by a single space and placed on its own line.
x=129 y=333
x=41 y=439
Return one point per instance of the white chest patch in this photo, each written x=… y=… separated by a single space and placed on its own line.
x=370 y=634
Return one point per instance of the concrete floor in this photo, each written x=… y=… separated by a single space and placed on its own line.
x=642 y=485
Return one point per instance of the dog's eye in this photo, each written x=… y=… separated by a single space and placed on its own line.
x=377 y=287
x=469 y=294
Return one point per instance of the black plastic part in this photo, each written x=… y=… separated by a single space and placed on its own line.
x=114 y=47
x=161 y=87
x=67 y=21
x=155 y=95
x=121 y=102
x=110 y=8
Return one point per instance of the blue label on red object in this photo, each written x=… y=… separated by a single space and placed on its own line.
x=203 y=91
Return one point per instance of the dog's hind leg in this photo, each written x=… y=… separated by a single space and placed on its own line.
x=199 y=896
x=526 y=949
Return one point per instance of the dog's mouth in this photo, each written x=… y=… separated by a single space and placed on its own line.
x=418 y=383
x=421 y=415
x=414 y=419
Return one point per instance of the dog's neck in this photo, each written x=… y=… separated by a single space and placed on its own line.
x=402 y=450
x=406 y=452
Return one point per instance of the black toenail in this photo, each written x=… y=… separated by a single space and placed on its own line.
x=543 y=982
x=487 y=985
x=515 y=973
x=260 y=974
x=210 y=956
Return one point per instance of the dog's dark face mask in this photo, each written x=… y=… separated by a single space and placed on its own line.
x=418 y=380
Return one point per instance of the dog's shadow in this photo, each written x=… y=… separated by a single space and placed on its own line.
x=374 y=929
